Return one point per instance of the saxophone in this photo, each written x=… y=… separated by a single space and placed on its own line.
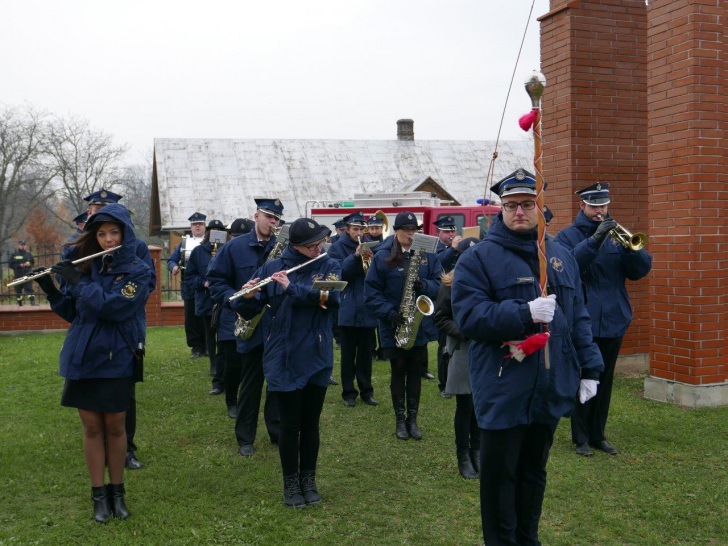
x=412 y=308
x=244 y=329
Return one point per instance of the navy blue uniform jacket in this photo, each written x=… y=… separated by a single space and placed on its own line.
x=493 y=283
x=232 y=267
x=383 y=292
x=195 y=277
x=352 y=311
x=603 y=273
x=299 y=336
x=106 y=311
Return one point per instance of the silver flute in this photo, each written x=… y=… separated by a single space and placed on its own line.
x=267 y=280
x=45 y=272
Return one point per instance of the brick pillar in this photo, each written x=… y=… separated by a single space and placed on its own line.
x=154 y=303
x=595 y=122
x=688 y=162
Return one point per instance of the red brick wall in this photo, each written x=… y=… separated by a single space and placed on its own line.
x=687 y=117
x=16 y=319
x=595 y=120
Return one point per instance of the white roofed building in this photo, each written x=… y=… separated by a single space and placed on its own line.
x=221 y=177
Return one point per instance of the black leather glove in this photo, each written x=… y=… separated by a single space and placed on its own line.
x=45 y=282
x=605 y=226
x=68 y=271
x=395 y=318
x=419 y=287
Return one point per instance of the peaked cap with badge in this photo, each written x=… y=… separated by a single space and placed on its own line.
x=197 y=218
x=271 y=206
x=595 y=195
x=102 y=197
x=355 y=219
x=446 y=223
x=519 y=181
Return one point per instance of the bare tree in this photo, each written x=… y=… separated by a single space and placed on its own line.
x=137 y=183
x=24 y=179
x=84 y=160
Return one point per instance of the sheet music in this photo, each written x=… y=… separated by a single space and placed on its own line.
x=428 y=243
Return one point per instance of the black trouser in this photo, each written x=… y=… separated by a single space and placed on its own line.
x=299 y=438
x=442 y=361
x=217 y=360
x=194 y=327
x=513 y=483
x=356 y=361
x=467 y=433
x=251 y=390
x=425 y=363
x=406 y=379
x=589 y=421
x=233 y=370
x=130 y=418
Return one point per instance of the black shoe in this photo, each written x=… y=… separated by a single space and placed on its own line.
x=118 y=507
x=584 y=450
x=246 y=450
x=428 y=375
x=401 y=430
x=308 y=487
x=606 y=447
x=413 y=429
x=349 y=402
x=475 y=459
x=232 y=412
x=102 y=504
x=195 y=354
x=132 y=463
x=333 y=381
x=292 y=494
x=465 y=466
x=370 y=401
x=216 y=390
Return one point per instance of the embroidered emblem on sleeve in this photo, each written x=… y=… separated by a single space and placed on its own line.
x=129 y=290
x=556 y=264
x=332 y=277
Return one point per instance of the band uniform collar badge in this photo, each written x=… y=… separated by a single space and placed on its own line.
x=556 y=264
x=129 y=290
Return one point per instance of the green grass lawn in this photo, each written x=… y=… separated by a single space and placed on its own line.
x=668 y=485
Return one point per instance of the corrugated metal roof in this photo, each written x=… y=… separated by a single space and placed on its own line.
x=220 y=177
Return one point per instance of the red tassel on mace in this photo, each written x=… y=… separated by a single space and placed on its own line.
x=526 y=121
x=521 y=349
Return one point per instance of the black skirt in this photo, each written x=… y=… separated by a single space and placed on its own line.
x=103 y=395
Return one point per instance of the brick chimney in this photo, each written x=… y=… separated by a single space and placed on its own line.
x=405 y=129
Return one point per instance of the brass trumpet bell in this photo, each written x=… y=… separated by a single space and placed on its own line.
x=636 y=241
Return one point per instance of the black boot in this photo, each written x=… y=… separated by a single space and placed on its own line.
x=401 y=428
x=465 y=466
x=19 y=301
x=475 y=459
x=308 y=487
x=292 y=494
x=102 y=506
x=116 y=491
x=412 y=409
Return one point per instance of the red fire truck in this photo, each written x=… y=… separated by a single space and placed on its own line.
x=426 y=207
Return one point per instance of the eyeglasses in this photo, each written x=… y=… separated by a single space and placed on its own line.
x=314 y=246
x=512 y=206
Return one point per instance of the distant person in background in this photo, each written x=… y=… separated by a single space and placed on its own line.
x=176 y=264
x=196 y=277
x=340 y=226
x=375 y=228
x=467 y=434
x=22 y=263
x=104 y=301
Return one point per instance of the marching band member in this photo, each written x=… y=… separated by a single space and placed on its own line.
x=104 y=300
x=298 y=355
x=233 y=266
x=195 y=276
x=384 y=286
x=375 y=231
x=177 y=261
x=356 y=322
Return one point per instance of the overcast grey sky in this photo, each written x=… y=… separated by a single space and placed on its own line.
x=333 y=69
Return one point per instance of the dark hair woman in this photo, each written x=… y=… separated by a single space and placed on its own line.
x=299 y=350
x=384 y=286
x=103 y=299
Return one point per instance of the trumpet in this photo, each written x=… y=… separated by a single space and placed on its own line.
x=636 y=241
x=45 y=272
x=365 y=262
x=268 y=280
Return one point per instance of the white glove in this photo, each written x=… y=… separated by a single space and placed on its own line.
x=587 y=390
x=542 y=309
